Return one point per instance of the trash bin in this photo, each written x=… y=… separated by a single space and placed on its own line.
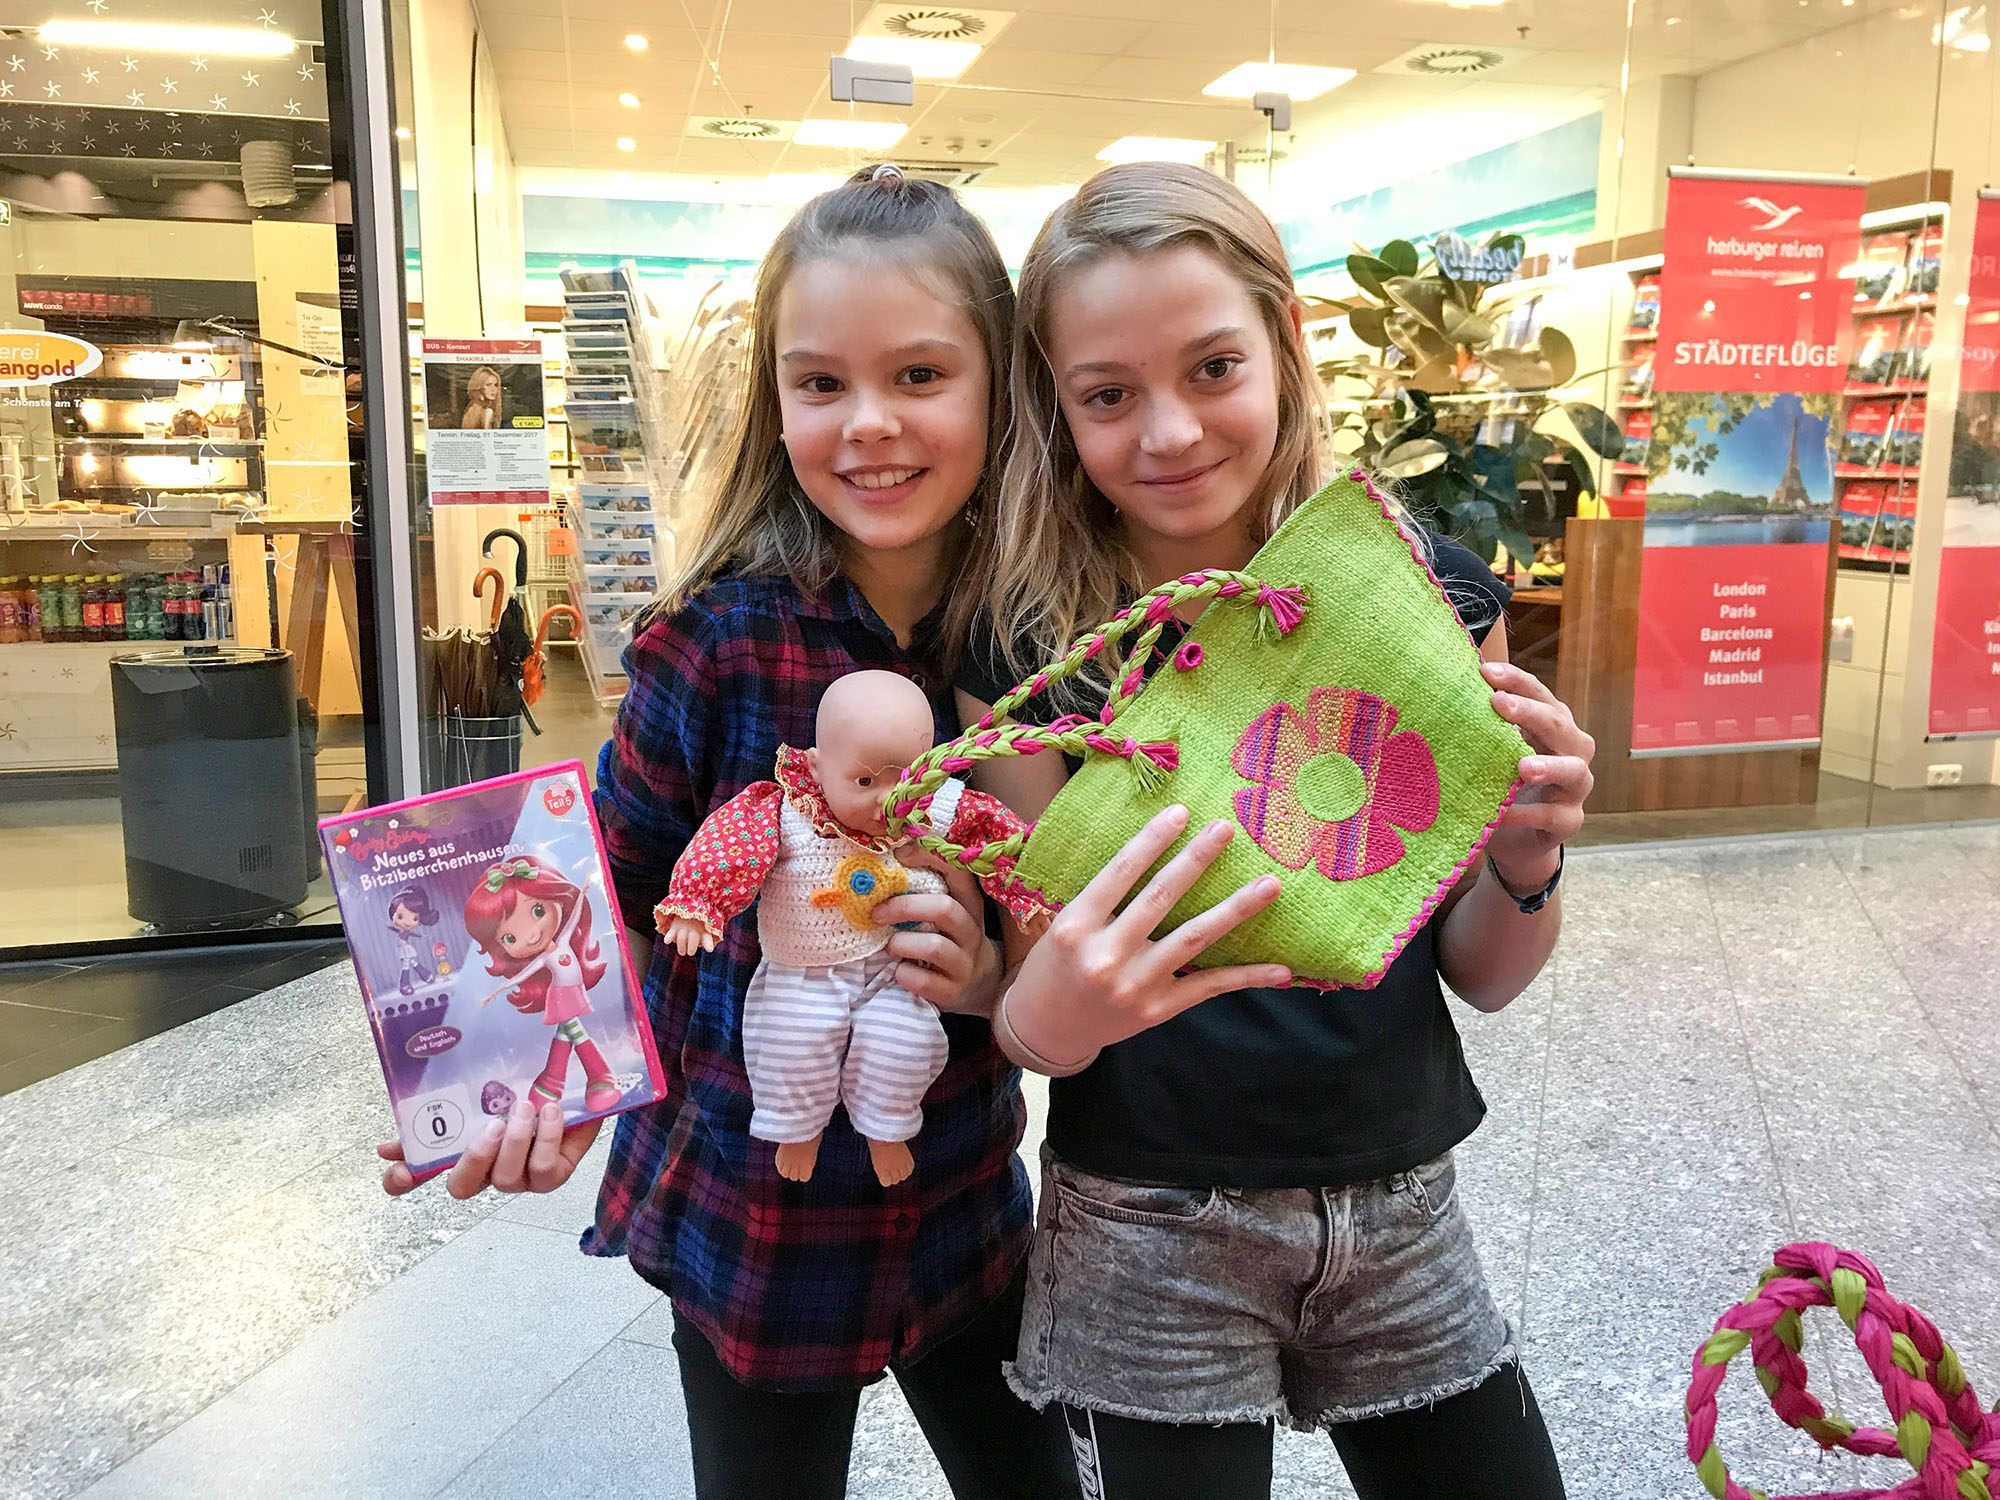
x=208 y=785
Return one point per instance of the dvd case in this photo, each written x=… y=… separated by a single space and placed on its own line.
x=491 y=958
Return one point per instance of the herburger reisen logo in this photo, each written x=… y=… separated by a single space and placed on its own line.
x=30 y=358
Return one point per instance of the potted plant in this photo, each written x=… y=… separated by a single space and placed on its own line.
x=1461 y=418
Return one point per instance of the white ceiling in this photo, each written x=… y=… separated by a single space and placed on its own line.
x=1065 y=77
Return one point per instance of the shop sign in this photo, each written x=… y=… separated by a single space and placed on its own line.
x=1481 y=265
x=1755 y=299
x=31 y=358
x=1965 y=641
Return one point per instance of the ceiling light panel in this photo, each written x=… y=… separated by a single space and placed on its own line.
x=148 y=36
x=850 y=135
x=1297 y=80
x=1156 y=148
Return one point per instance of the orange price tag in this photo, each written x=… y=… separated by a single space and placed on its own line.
x=562 y=542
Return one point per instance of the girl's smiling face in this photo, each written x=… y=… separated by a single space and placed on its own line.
x=403 y=919
x=529 y=929
x=1169 y=384
x=882 y=385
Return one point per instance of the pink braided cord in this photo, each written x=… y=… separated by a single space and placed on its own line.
x=1942 y=1432
x=996 y=734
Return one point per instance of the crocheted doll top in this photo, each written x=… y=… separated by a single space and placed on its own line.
x=820 y=880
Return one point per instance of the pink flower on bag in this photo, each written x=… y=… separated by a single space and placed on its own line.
x=1334 y=783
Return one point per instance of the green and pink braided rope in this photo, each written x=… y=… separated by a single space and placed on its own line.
x=1942 y=1432
x=1077 y=734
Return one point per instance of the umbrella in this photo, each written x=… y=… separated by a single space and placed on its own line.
x=531 y=671
x=512 y=644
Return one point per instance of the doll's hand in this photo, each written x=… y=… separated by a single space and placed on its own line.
x=689 y=936
x=1548 y=810
x=956 y=966
x=1098 y=975
x=527 y=1152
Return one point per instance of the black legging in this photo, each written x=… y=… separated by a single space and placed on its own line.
x=1488 y=1441
x=771 y=1445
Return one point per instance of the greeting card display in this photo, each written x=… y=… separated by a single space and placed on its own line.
x=491 y=958
x=1328 y=703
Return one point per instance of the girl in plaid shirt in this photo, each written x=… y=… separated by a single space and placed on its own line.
x=876 y=369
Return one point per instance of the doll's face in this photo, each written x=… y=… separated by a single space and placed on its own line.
x=870 y=726
x=529 y=928
x=402 y=919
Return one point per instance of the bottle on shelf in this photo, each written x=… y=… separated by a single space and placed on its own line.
x=10 y=611
x=31 y=609
x=93 y=608
x=114 y=607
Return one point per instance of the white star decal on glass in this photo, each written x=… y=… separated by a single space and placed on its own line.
x=20 y=143
x=129 y=150
x=135 y=97
x=99 y=7
x=15 y=64
x=7 y=731
x=306 y=71
x=218 y=101
x=90 y=75
x=51 y=53
x=200 y=64
x=129 y=64
x=111 y=127
x=267 y=18
x=206 y=149
x=6 y=89
x=52 y=89
x=81 y=539
x=251 y=79
x=89 y=142
x=291 y=106
x=168 y=86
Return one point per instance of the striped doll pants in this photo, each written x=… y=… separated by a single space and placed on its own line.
x=846 y=1034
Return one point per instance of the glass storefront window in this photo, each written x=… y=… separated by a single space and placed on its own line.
x=181 y=635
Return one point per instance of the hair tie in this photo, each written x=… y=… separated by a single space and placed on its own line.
x=887 y=171
x=499 y=875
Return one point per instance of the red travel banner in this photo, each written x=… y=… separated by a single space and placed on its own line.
x=1965 y=642
x=1755 y=303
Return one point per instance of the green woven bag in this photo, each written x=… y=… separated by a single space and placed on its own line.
x=1329 y=703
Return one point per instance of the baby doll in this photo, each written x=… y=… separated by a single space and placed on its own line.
x=824 y=1021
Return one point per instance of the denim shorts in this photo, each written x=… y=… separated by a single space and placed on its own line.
x=1313 y=1305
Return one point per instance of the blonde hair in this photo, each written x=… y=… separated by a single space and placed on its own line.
x=1053 y=558
x=759 y=522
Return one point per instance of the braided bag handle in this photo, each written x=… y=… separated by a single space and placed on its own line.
x=908 y=802
x=1942 y=1432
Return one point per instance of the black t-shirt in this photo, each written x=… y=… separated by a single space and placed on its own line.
x=1276 y=1088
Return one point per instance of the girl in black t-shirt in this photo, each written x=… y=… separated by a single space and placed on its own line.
x=1250 y=1209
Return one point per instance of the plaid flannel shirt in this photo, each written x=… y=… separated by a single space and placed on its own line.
x=799 y=1286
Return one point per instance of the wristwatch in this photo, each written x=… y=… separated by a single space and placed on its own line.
x=1530 y=904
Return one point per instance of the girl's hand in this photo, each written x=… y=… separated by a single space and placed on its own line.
x=687 y=935
x=1556 y=779
x=528 y=1152
x=1098 y=976
x=957 y=966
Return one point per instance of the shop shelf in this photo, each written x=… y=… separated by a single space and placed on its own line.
x=1635 y=403
x=1642 y=335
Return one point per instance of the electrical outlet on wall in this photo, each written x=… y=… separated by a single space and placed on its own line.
x=1944 y=775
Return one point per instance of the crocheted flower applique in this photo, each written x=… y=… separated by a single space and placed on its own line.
x=1334 y=783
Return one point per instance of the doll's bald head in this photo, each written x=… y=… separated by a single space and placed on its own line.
x=870 y=726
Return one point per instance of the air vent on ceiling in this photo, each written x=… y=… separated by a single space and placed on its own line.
x=953 y=174
x=936 y=25
x=740 y=128
x=1451 y=60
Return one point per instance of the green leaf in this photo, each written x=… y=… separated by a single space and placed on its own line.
x=1597 y=430
x=1401 y=255
x=1437 y=377
x=1519 y=368
x=1559 y=354
x=1467 y=328
x=1519 y=544
x=1368 y=325
x=1410 y=459
x=1423 y=297
x=1369 y=273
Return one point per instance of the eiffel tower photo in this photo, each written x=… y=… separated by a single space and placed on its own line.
x=1791 y=493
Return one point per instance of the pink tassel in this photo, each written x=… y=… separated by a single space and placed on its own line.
x=1287 y=605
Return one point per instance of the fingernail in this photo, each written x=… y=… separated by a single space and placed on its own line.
x=1220 y=828
x=1268 y=885
x=551 y=1111
x=495 y=1131
x=1278 y=980
x=522 y=1110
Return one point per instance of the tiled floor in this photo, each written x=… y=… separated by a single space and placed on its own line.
x=206 y=1294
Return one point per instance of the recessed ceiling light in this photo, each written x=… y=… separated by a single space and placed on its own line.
x=635 y=42
x=923 y=57
x=630 y=101
x=862 y=135
x=402 y=132
x=1673 y=20
x=1155 y=148
x=626 y=143
x=149 y=36
x=1301 y=82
